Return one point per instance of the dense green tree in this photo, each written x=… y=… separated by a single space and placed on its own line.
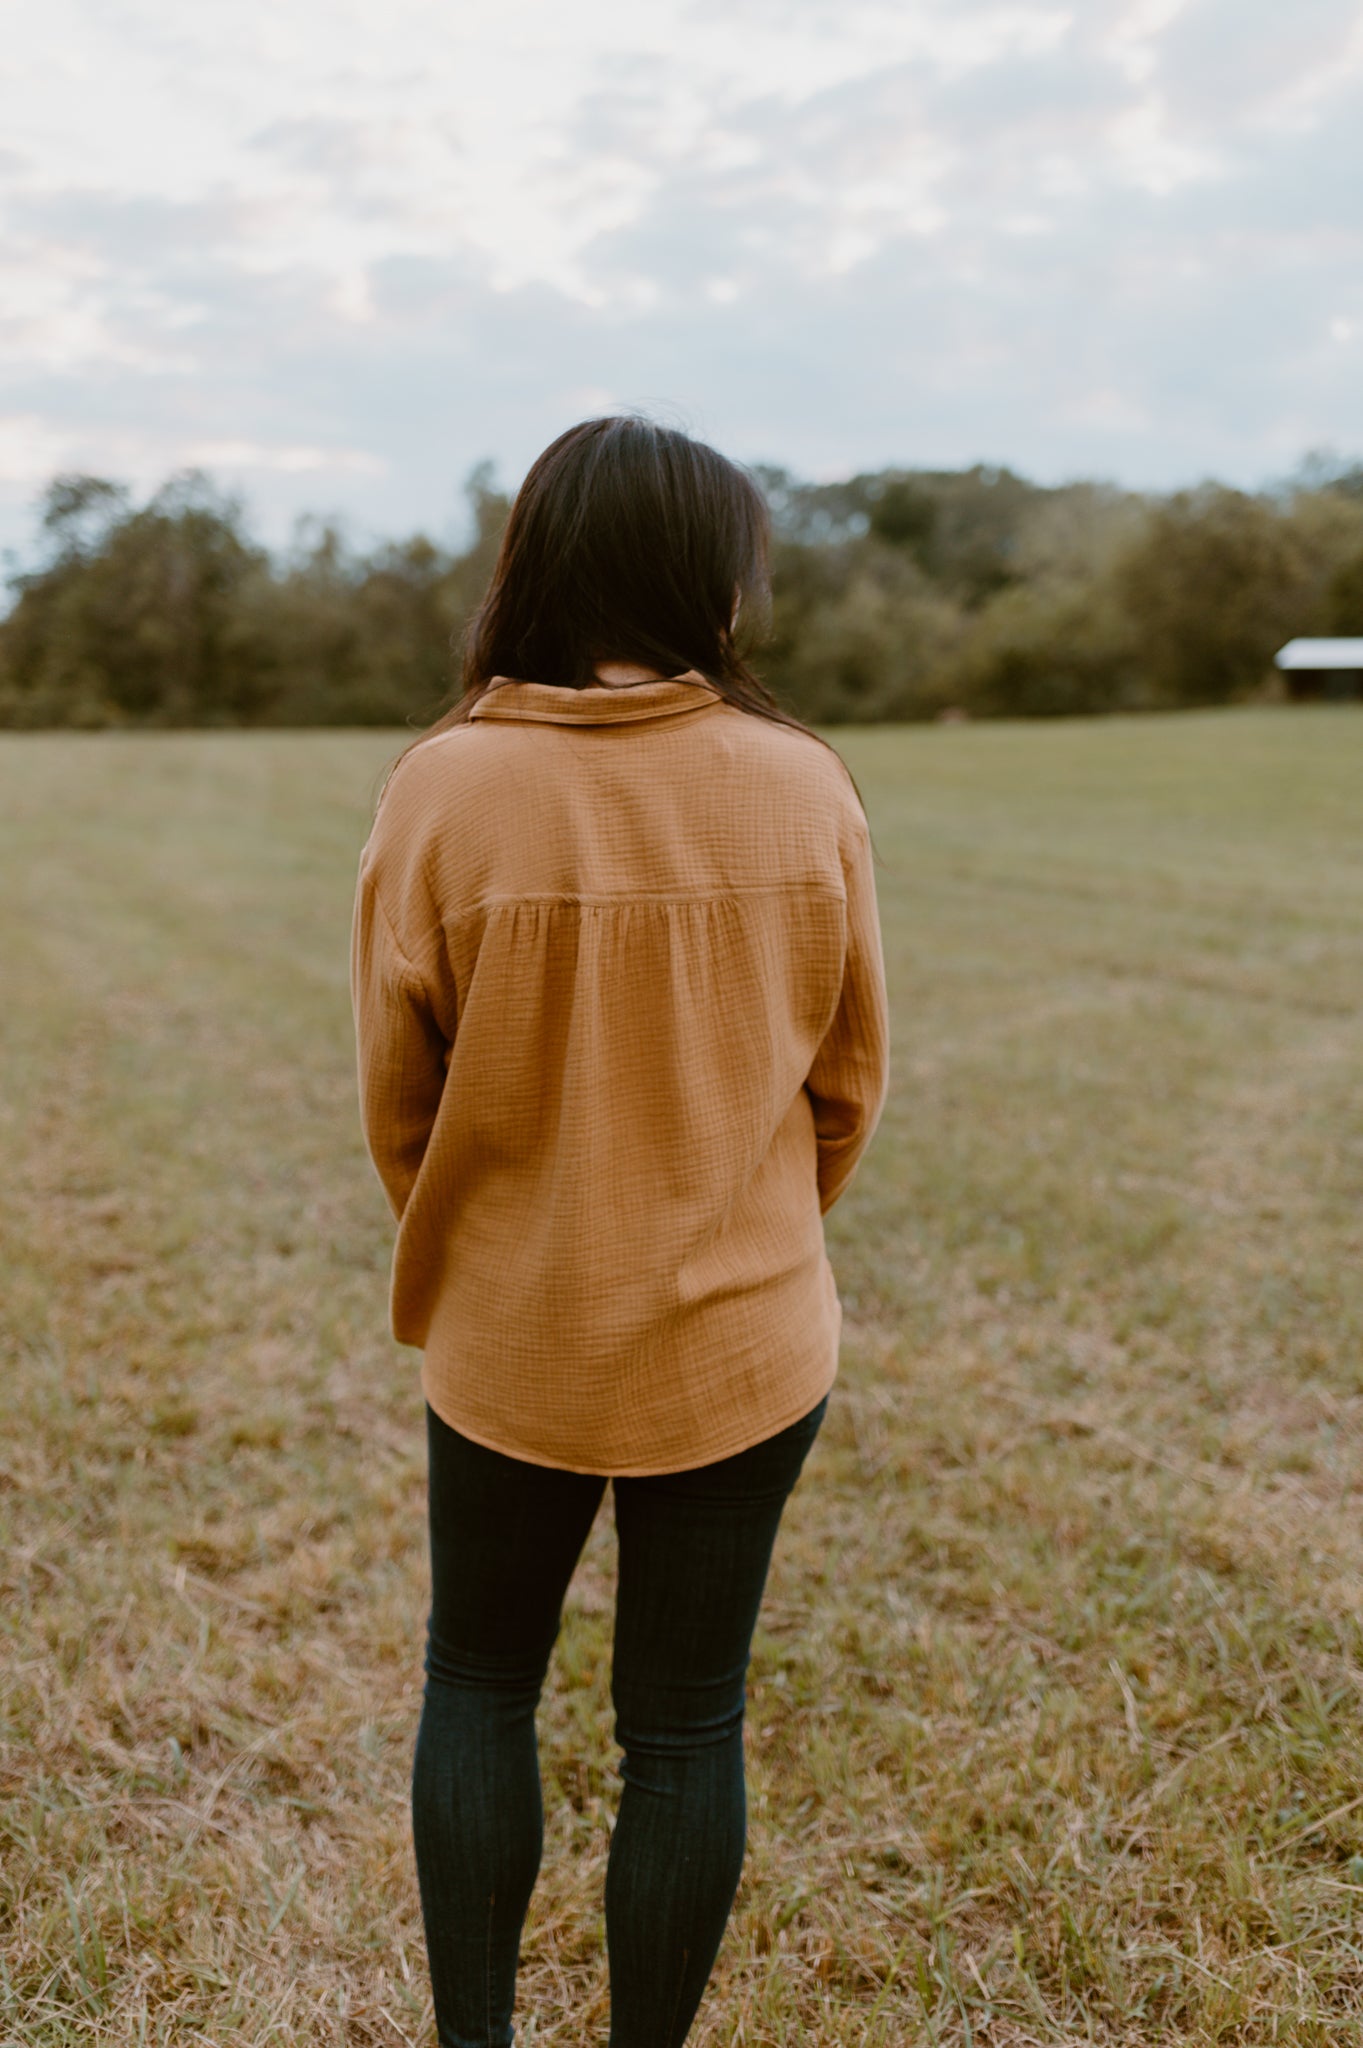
x=965 y=527
x=355 y=639
x=137 y=617
x=904 y=515
x=1215 y=583
x=860 y=633
x=169 y=615
x=896 y=594
x=1344 y=599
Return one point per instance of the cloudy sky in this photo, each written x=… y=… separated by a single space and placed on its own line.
x=336 y=251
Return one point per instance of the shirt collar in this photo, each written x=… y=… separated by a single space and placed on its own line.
x=597 y=703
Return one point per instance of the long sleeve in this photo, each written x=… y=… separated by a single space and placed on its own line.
x=402 y=1052
x=848 y=1080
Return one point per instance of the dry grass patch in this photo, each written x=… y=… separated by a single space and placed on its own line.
x=1055 y=1710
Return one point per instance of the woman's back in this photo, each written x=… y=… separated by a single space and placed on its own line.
x=640 y=1045
x=621 y=1021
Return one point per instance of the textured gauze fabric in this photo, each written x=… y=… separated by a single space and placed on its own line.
x=622 y=1038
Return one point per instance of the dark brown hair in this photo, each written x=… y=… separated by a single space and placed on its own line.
x=627 y=542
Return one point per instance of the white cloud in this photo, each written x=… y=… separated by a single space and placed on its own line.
x=244 y=456
x=352 y=247
x=30 y=449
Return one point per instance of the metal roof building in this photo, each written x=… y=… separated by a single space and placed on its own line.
x=1322 y=668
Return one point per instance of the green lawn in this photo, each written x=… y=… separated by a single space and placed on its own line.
x=1057 y=1700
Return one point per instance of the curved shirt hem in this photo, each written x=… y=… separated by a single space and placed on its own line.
x=750 y=1434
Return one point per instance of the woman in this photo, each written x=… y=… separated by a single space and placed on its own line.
x=622 y=1039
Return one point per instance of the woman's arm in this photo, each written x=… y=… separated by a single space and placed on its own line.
x=402 y=1052
x=850 y=1074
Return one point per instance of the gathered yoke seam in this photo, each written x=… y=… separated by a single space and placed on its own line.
x=626 y=898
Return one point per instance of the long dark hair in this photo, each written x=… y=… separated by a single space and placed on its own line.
x=627 y=542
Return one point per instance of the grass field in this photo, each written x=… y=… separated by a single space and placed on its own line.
x=1057 y=1699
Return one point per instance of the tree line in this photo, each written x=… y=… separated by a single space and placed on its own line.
x=897 y=594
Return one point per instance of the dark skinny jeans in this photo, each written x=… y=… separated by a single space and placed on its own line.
x=694 y=1550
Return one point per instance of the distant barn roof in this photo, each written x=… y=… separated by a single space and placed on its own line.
x=1321 y=654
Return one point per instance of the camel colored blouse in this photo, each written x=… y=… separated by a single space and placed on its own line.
x=621 y=1022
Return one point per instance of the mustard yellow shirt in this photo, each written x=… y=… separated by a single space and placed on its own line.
x=622 y=1036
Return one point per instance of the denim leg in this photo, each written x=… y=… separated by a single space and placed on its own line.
x=695 y=1548
x=505 y=1537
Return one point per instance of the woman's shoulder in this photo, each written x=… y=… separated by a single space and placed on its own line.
x=804 y=764
x=426 y=769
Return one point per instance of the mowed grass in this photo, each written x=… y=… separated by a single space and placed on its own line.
x=1055 y=1710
